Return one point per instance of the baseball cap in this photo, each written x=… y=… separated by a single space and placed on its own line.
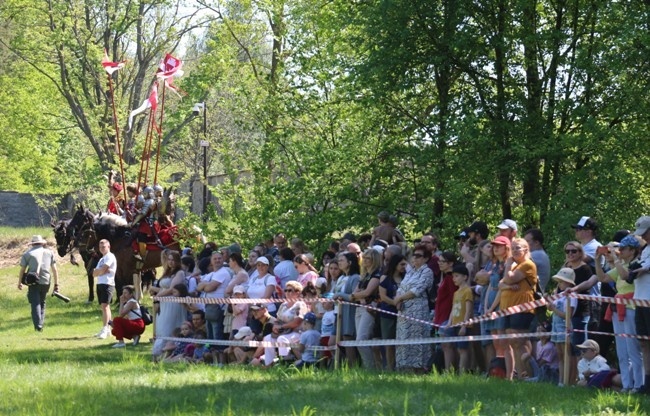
x=244 y=331
x=642 y=225
x=263 y=260
x=501 y=241
x=479 y=227
x=586 y=223
x=507 y=223
x=310 y=317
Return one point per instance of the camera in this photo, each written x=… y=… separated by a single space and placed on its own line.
x=604 y=250
x=60 y=296
x=632 y=271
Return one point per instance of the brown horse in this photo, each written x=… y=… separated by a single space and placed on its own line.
x=84 y=231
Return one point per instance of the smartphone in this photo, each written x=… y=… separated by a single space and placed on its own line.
x=604 y=250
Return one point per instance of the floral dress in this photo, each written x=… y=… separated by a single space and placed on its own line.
x=414 y=356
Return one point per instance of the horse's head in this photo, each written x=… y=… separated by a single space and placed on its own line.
x=72 y=231
x=62 y=237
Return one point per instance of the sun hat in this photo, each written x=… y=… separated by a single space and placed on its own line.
x=37 y=239
x=567 y=275
x=590 y=344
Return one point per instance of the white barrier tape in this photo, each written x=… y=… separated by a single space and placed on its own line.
x=235 y=343
x=619 y=301
x=645 y=337
x=443 y=340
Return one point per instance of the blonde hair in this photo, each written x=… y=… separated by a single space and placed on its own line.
x=294 y=285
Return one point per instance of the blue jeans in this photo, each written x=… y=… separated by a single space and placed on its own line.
x=214 y=321
x=36 y=296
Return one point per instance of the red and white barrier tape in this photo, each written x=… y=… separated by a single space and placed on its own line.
x=235 y=343
x=614 y=335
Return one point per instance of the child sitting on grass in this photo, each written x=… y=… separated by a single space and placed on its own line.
x=593 y=370
x=309 y=339
x=545 y=363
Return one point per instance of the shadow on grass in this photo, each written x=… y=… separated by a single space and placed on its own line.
x=79 y=354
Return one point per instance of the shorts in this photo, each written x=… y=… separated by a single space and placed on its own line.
x=495 y=324
x=642 y=320
x=519 y=321
x=105 y=293
x=559 y=325
x=577 y=338
x=453 y=332
x=388 y=328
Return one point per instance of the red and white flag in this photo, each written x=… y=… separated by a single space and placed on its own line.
x=110 y=66
x=170 y=67
x=151 y=102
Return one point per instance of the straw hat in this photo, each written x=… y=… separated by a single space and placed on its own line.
x=37 y=239
x=567 y=275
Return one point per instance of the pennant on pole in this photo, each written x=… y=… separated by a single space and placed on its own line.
x=170 y=67
x=151 y=102
x=110 y=66
x=176 y=90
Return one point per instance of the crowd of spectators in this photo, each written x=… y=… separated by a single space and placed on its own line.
x=395 y=290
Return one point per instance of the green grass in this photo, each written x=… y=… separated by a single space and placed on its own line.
x=65 y=371
x=12 y=232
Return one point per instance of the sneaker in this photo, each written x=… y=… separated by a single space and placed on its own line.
x=102 y=334
x=136 y=340
x=120 y=344
x=624 y=390
x=633 y=391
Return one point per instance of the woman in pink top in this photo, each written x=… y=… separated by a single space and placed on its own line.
x=306 y=272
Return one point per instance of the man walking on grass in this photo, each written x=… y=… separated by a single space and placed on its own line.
x=105 y=274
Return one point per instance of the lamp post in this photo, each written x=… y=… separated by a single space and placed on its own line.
x=204 y=144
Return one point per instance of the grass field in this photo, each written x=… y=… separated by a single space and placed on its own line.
x=65 y=371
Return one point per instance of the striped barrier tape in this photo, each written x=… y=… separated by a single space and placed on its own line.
x=644 y=337
x=365 y=343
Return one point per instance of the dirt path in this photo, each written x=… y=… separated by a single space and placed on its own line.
x=12 y=248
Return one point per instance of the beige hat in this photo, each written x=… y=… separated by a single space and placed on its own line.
x=590 y=344
x=37 y=239
x=567 y=275
x=244 y=331
x=239 y=289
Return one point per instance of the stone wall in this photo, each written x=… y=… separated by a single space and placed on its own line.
x=22 y=210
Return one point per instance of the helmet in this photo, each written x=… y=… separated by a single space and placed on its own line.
x=157 y=189
x=147 y=192
x=140 y=201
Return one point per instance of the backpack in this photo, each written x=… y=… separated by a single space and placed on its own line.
x=145 y=315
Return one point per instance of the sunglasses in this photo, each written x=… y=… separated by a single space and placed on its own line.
x=418 y=255
x=571 y=251
x=290 y=291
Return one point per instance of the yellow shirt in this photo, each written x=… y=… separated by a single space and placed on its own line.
x=459 y=308
x=526 y=287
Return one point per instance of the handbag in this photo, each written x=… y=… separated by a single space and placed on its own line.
x=145 y=315
x=31 y=278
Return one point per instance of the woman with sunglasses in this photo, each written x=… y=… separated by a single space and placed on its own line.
x=290 y=316
x=585 y=280
x=413 y=301
x=306 y=272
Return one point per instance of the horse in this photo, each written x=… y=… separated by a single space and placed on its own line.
x=84 y=231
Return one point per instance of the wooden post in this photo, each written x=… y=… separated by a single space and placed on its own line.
x=337 y=352
x=567 y=340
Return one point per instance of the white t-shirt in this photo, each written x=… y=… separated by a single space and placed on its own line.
x=328 y=323
x=257 y=289
x=642 y=282
x=222 y=276
x=107 y=278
